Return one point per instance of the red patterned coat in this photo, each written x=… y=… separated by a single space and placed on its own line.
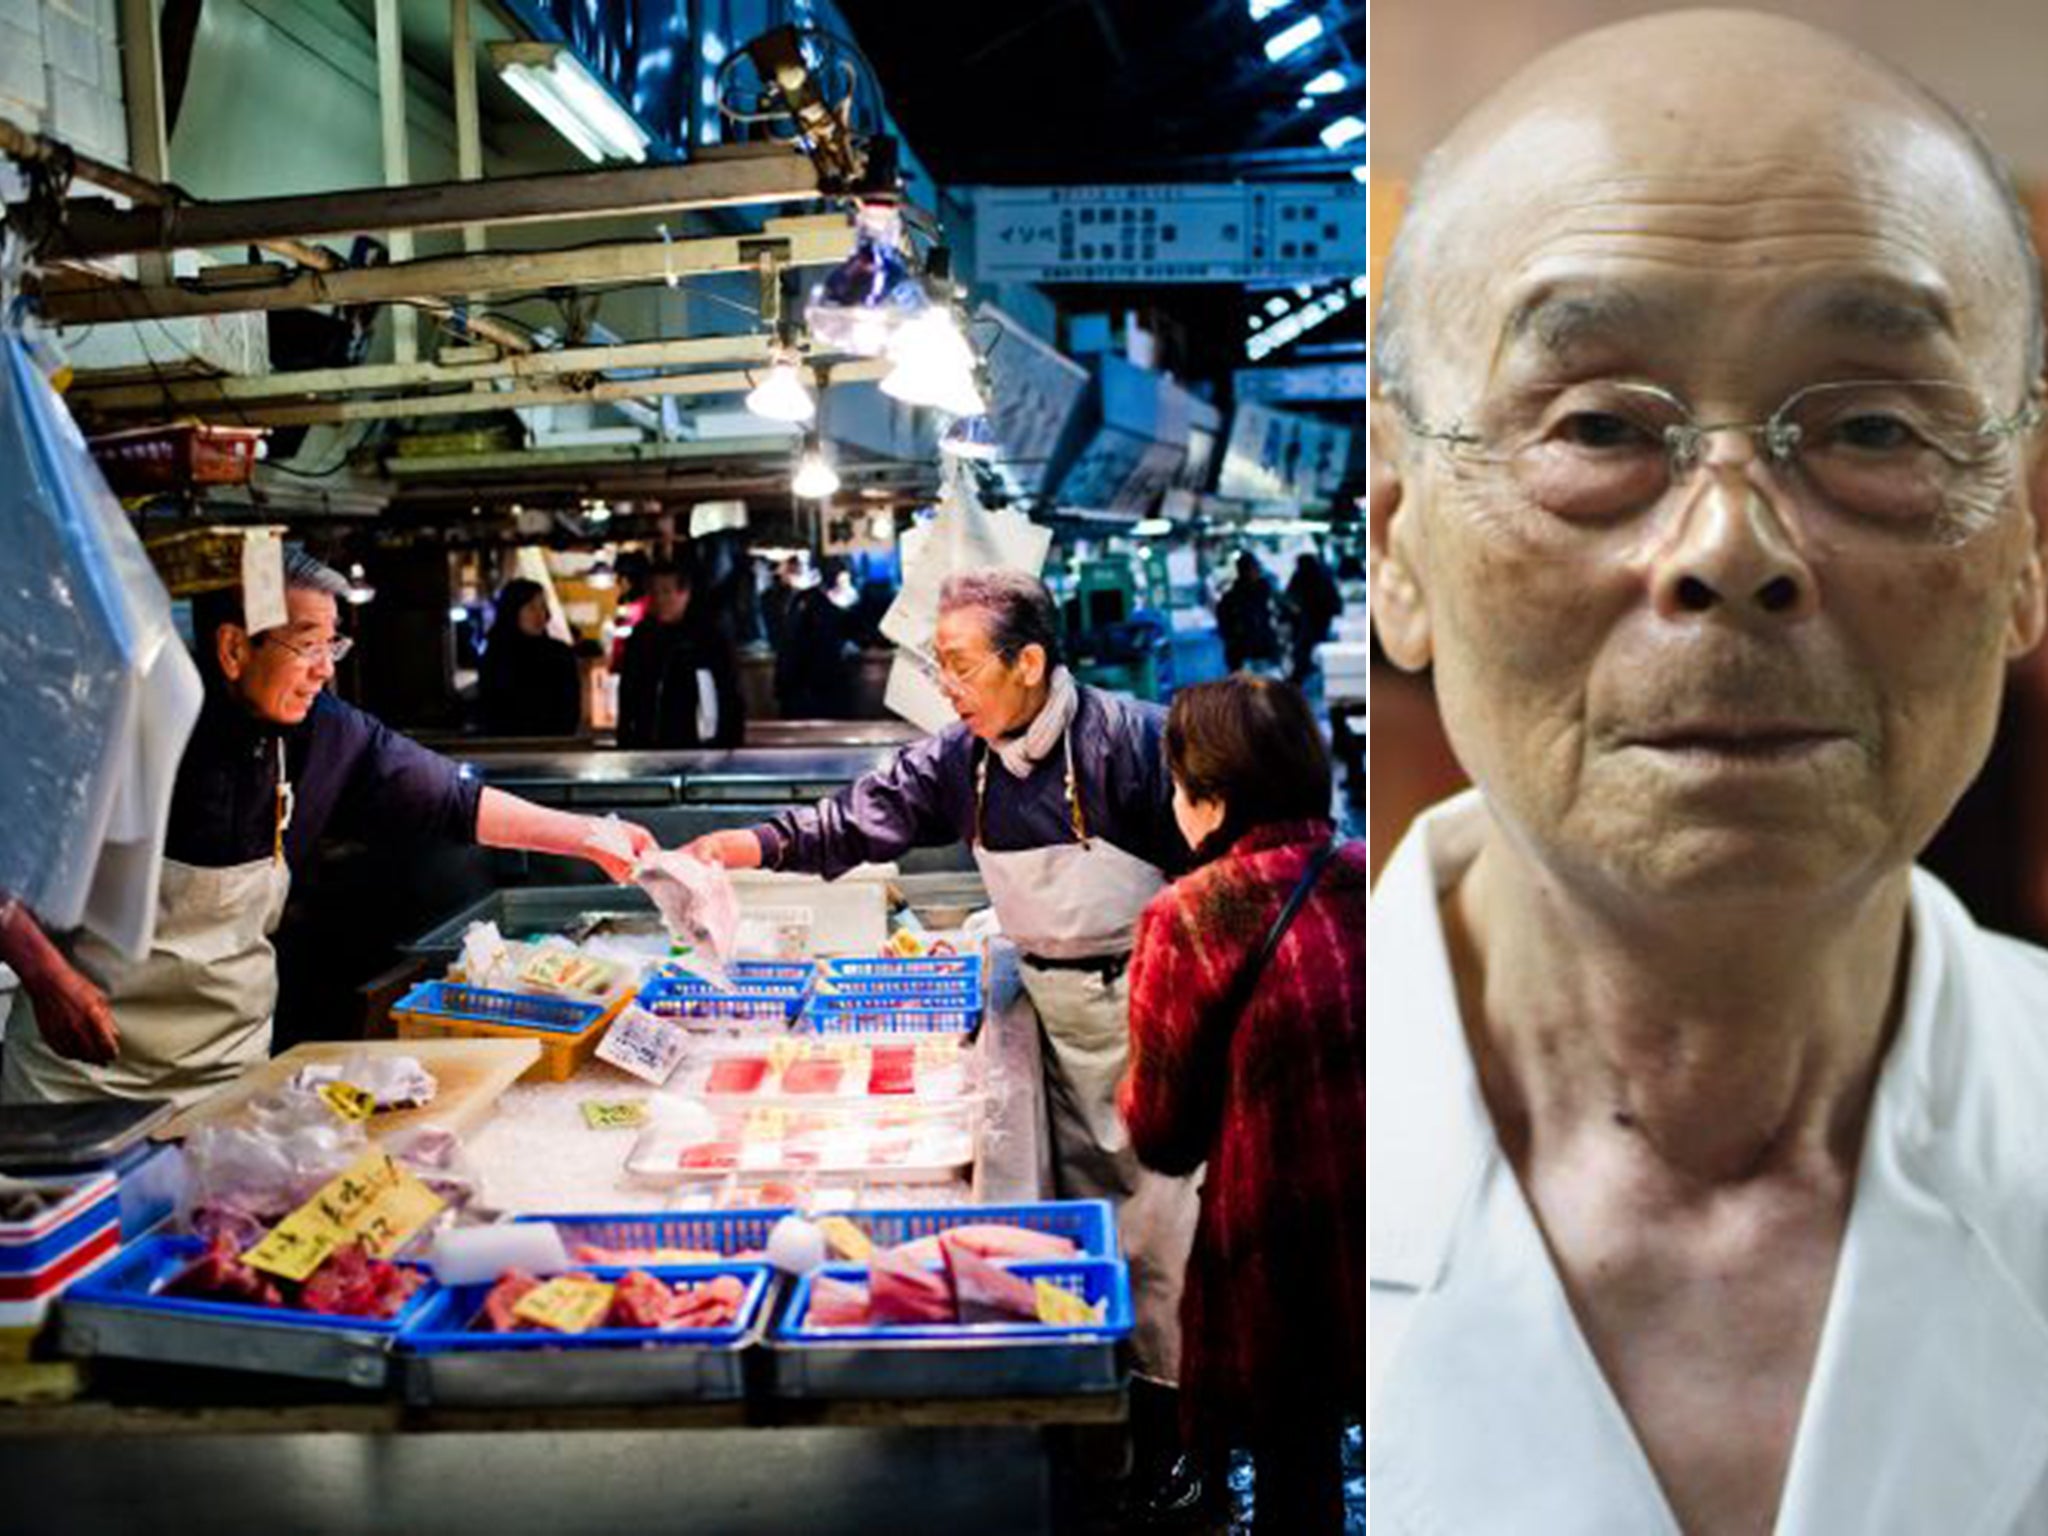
x=1273 y=1316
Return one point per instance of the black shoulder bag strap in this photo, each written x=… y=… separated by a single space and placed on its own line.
x=1240 y=995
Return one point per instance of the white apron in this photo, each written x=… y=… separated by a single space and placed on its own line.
x=193 y=1012
x=1079 y=900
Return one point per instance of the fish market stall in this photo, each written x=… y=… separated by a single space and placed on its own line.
x=627 y=1261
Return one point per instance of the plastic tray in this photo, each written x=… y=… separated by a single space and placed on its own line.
x=90 y=1208
x=117 y=1312
x=951 y=1079
x=950 y=1132
x=568 y=1030
x=951 y=1360
x=1089 y=1224
x=445 y=1363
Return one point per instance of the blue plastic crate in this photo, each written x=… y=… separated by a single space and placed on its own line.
x=830 y=1015
x=131 y=1280
x=1089 y=1224
x=883 y=967
x=443 y=1326
x=484 y=1005
x=942 y=990
x=726 y=1232
x=760 y=990
x=1093 y=1280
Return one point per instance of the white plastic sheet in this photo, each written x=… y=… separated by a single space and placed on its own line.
x=97 y=697
x=964 y=536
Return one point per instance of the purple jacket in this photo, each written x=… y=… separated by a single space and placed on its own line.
x=925 y=798
x=348 y=769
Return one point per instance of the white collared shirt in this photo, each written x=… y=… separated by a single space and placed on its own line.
x=1928 y=1407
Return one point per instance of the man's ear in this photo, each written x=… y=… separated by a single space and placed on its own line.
x=231 y=650
x=1400 y=607
x=1032 y=665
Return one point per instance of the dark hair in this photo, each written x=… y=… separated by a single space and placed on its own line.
x=210 y=610
x=1252 y=743
x=675 y=568
x=512 y=600
x=1019 y=609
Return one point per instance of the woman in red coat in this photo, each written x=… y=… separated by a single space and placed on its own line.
x=1269 y=1092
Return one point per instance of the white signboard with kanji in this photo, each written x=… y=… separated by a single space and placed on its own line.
x=1264 y=232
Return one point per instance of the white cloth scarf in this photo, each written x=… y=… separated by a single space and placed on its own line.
x=1036 y=742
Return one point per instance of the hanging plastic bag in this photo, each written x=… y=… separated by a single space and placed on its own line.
x=95 y=690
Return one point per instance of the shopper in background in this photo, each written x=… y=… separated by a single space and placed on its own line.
x=783 y=589
x=1313 y=603
x=530 y=683
x=1248 y=1054
x=274 y=761
x=813 y=667
x=1244 y=617
x=678 y=680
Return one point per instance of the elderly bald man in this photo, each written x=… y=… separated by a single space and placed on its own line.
x=1709 y=1183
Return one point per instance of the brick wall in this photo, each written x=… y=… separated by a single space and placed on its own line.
x=60 y=73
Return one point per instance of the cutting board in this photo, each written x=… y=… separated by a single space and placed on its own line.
x=471 y=1074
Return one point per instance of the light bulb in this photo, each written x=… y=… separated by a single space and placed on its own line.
x=782 y=394
x=815 y=479
x=934 y=366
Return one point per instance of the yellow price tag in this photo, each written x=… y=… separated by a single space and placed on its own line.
x=373 y=1201
x=625 y=1115
x=1062 y=1307
x=784 y=1054
x=845 y=1239
x=567 y=1304
x=348 y=1101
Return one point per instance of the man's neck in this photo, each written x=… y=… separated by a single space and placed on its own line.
x=1706 y=1049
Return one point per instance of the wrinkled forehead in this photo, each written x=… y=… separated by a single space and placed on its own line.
x=1703 y=219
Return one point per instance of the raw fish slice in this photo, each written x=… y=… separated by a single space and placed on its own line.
x=740 y=1074
x=985 y=1293
x=893 y=1070
x=1000 y=1240
x=837 y=1304
x=907 y=1293
x=813 y=1077
x=495 y=1316
x=641 y=1301
x=715 y=1156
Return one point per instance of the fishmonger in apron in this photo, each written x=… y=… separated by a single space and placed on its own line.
x=1072 y=911
x=193 y=1012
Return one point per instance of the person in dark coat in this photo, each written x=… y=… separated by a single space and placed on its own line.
x=678 y=681
x=1314 y=602
x=813 y=666
x=530 y=683
x=1244 y=617
x=1271 y=1096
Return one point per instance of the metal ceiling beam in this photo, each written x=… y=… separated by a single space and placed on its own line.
x=794 y=242
x=123 y=394
x=469 y=402
x=94 y=228
x=620 y=456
